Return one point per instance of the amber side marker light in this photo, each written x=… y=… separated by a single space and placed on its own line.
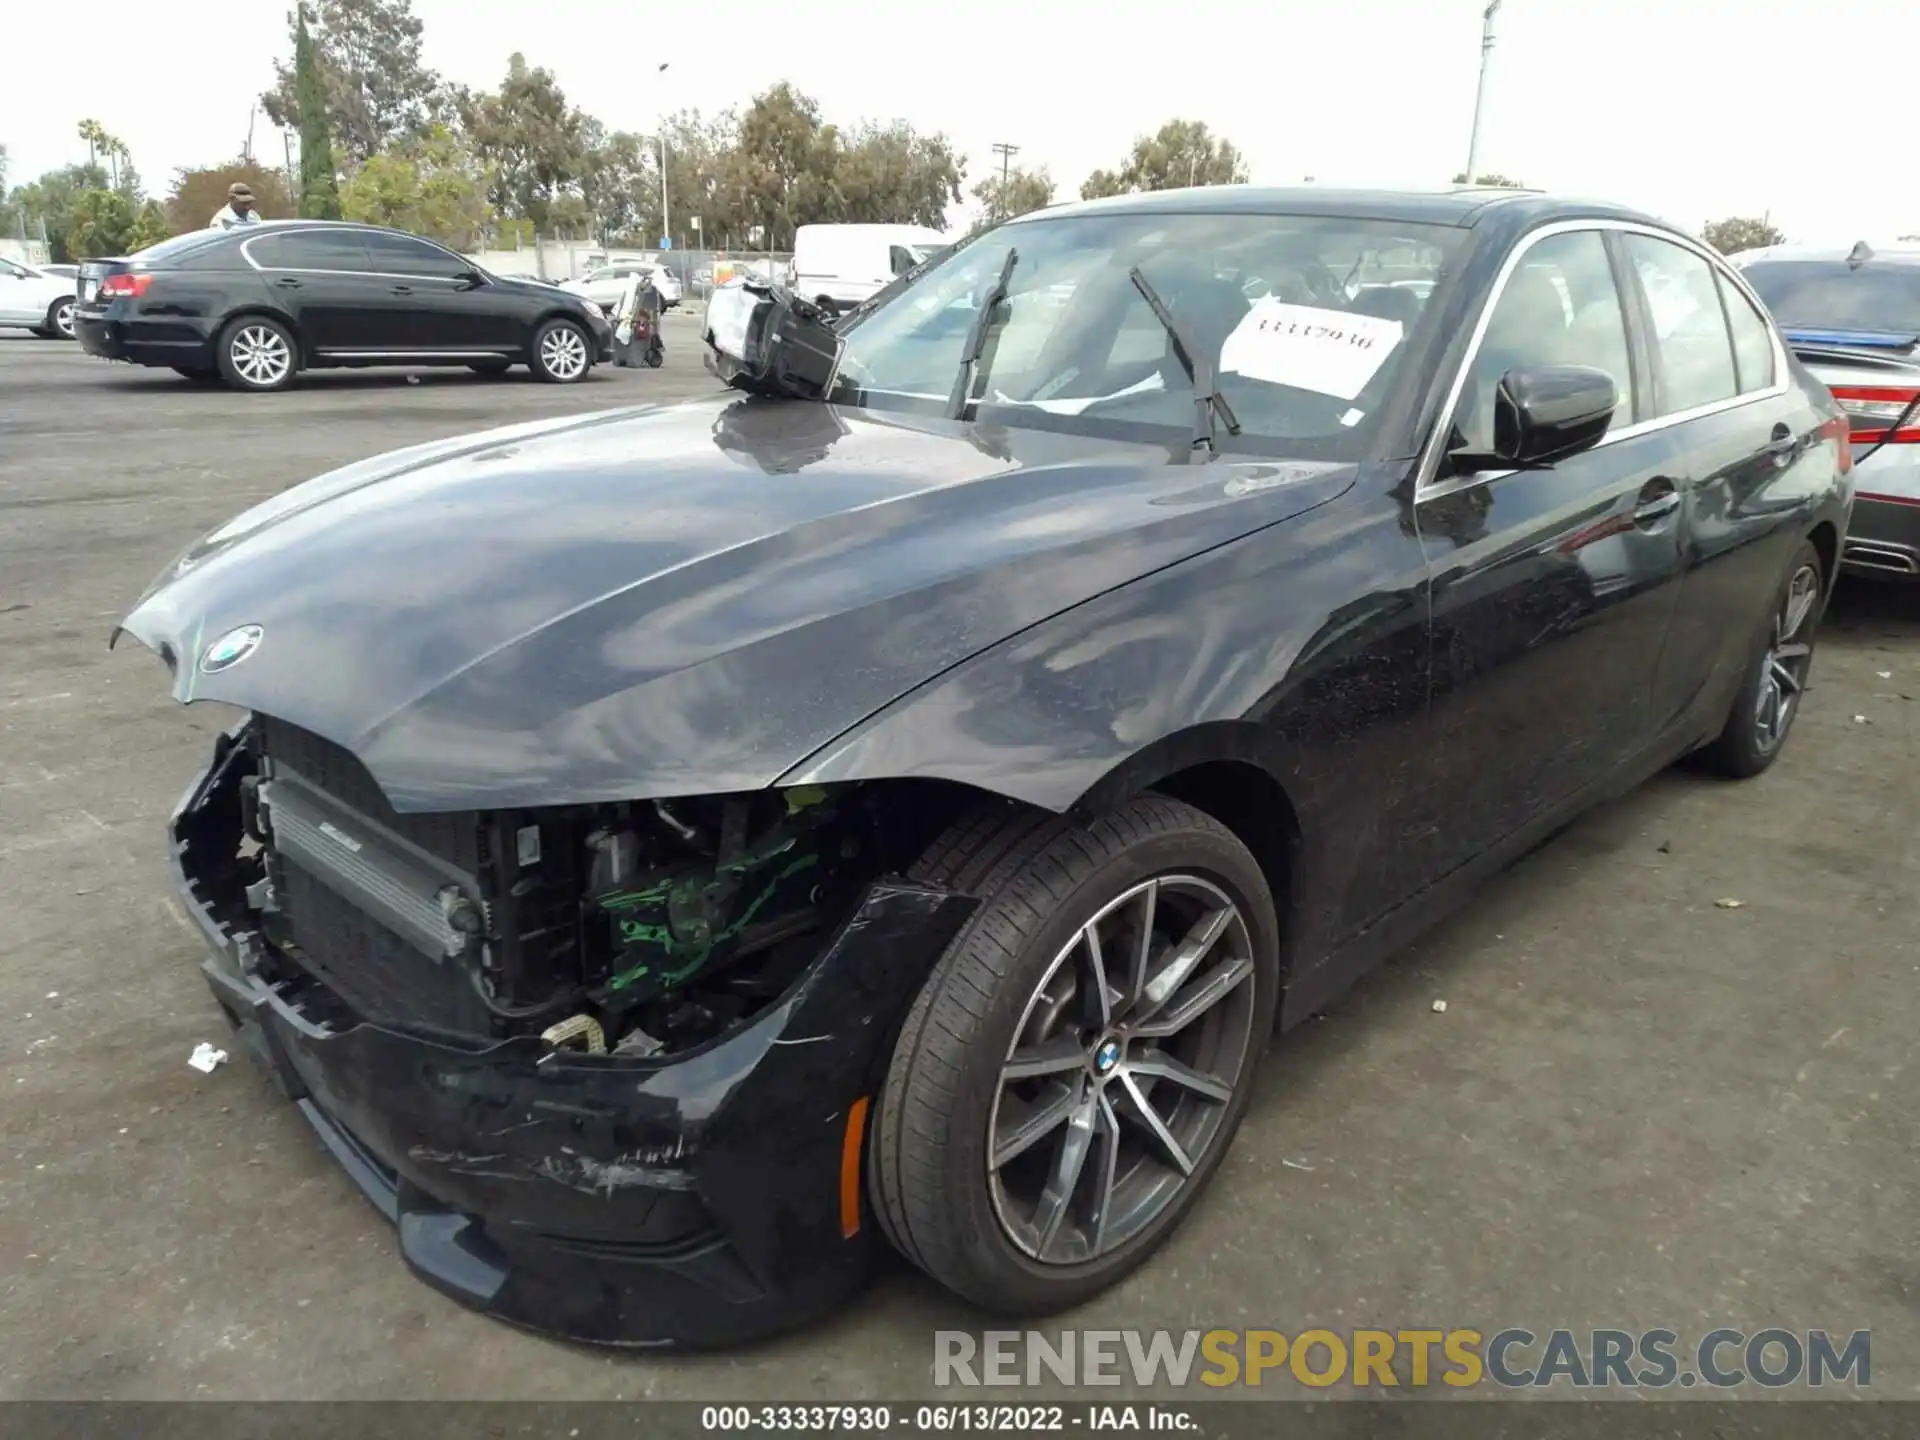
x=850 y=1168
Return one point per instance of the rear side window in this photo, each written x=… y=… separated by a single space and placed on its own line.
x=1752 y=339
x=309 y=250
x=1877 y=296
x=1689 y=327
x=404 y=255
x=181 y=246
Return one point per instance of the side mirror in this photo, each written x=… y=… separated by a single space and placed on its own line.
x=470 y=279
x=1544 y=413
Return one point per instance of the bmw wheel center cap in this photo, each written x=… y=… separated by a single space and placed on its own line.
x=1106 y=1057
x=230 y=649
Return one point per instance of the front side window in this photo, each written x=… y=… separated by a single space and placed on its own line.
x=404 y=255
x=1560 y=306
x=1689 y=327
x=310 y=250
x=1752 y=339
x=1304 y=320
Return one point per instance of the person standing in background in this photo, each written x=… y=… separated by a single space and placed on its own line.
x=238 y=210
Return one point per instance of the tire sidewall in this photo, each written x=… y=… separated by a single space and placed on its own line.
x=223 y=354
x=54 y=311
x=537 y=363
x=1208 y=854
x=1740 y=745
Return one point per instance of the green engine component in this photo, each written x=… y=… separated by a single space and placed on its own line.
x=670 y=929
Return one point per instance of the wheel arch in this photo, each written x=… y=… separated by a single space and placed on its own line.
x=1826 y=541
x=1230 y=770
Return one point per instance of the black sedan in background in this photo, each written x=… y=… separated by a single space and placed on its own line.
x=671 y=850
x=257 y=304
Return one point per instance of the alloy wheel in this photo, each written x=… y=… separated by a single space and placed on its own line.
x=261 y=356
x=1121 y=1070
x=63 y=318
x=1783 y=676
x=564 y=353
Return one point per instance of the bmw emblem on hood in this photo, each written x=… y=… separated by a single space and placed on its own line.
x=230 y=649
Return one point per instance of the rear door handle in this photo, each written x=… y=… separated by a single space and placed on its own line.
x=1782 y=444
x=1658 y=499
x=401 y=290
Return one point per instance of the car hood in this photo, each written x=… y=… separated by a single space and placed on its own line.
x=669 y=601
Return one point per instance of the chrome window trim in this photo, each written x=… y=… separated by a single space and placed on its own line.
x=246 y=252
x=1428 y=488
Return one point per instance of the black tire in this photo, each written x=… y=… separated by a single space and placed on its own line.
x=1747 y=745
x=59 y=324
x=557 y=359
x=828 y=304
x=198 y=377
x=257 y=353
x=656 y=354
x=490 y=368
x=1039 y=878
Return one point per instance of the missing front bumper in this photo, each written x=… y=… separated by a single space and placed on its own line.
x=693 y=1200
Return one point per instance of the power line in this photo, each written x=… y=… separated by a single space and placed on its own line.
x=1006 y=153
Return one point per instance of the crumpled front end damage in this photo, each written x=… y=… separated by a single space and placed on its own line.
x=630 y=1114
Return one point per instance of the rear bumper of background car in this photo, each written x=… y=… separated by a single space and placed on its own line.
x=112 y=335
x=703 y=1199
x=1883 y=537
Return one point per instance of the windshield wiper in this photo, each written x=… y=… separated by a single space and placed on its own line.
x=1208 y=402
x=963 y=383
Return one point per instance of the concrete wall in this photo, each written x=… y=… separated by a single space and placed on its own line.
x=26 y=252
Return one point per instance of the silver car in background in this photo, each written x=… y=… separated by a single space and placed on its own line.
x=1853 y=317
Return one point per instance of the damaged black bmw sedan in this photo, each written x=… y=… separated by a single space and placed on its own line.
x=670 y=854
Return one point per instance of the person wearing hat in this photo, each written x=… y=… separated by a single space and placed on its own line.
x=238 y=210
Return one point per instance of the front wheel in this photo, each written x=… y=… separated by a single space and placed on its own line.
x=255 y=353
x=1776 y=677
x=561 y=353
x=1073 y=1071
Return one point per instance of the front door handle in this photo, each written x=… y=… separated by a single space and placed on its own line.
x=401 y=290
x=287 y=282
x=1658 y=499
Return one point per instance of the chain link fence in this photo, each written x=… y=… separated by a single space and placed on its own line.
x=551 y=257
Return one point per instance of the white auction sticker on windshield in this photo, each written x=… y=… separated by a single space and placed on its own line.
x=1330 y=352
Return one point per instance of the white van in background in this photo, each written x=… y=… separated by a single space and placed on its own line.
x=838 y=266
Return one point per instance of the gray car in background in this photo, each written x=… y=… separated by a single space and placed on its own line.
x=1853 y=316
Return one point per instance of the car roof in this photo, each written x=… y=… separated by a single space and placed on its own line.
x=1460 y=205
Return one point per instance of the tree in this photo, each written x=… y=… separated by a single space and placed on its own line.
x=432 y=186
x=529 y=137
x=150 y=227
x=1492 y=181
x=373 y=86
x=197 y=194
x=102 y=223
x=319 y=192
x=1180 y=153
x=110 y=152
x=780 y=172
x=10 y=217
x=889 y=174
x=50 y=201
x=1740 y=232
x=1025 y=190
x=616 y=179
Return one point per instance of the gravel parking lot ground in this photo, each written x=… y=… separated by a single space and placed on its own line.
x=1638 y=1109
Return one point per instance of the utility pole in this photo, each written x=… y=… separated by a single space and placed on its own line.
x=1006 y=153
x=1480 y=95
x=660 y=136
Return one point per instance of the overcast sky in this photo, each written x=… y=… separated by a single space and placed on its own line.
x=1684 y=107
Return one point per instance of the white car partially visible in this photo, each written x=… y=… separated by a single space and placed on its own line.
x=603 y=285
x=32 y=299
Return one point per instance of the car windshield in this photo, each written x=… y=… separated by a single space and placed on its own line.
x=1879 y=296
x=1303 y=321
